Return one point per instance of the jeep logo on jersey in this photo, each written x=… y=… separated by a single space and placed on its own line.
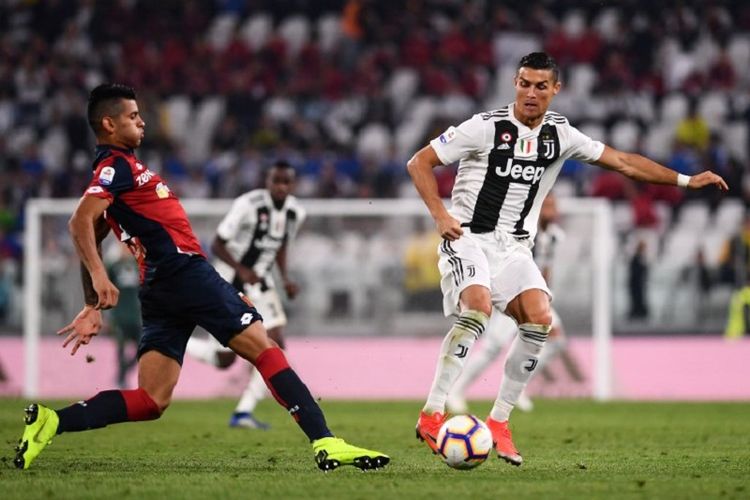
x=523 y=171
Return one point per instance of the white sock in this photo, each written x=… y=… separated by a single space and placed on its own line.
x=455 y=347
x=522 y=360
x=202 y=350
x=255 y=391
x=552 y=348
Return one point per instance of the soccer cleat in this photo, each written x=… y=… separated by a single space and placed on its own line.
x=41 y=427
x=504 y=442
x=245 y=420
x=331 y=453
x=428 y=427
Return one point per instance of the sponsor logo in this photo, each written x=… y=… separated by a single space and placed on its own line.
x=506 y=137
x=246 y=319
x=268 y=242
x=532 y=364
x=139 y=165
x=106 y=176
x=142 y=179
x=94 y=190
x=549 y=148
x=162 y=191
x=523 y=171
x=448 y=135
x=504 y=146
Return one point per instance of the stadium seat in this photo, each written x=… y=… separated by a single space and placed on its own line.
x=674 y=108
x=606 y=23
x=582 y=78
x=221 y=30
x=329 y=32
x=295 y=30
x=735 y=135
x=714 y=108
x=739 y=53
x=178 y=109
x=694 y=217
x=256 y=30
x=729 y=216
x=401 y=87
x=373 y=139
x=657 y=141
x=625 y=135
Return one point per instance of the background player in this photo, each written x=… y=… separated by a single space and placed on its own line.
x=179 y=290
x=501 y=329
x=509 y=159
x=254 y=235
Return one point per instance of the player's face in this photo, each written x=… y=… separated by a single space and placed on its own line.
x=280 y=183
x=127 y=127
x=535 y=89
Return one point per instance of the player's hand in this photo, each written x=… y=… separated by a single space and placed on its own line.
x=707 y=178
x=247 y=275
x=291 y=288
x=83 y=328
x=106 y=291
x=449 y=228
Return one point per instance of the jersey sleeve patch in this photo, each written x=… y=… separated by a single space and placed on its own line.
x=116 y=178
x=448 y=135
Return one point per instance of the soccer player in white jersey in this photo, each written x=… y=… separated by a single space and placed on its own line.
x=501 y=328
x=508 y=161
x=250 y=240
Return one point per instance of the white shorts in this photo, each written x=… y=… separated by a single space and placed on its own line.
x=493 y=260
x=268 y=304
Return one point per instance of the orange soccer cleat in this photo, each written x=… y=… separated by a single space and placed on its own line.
x=428 y=427
x=504 y=442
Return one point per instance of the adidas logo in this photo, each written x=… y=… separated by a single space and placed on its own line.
x=504 y=146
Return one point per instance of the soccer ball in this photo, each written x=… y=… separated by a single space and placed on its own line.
x=464 y=442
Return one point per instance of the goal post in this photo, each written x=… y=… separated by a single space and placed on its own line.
x=349 y=254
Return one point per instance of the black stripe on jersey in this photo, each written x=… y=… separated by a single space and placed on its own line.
x=547 y=151
x=500 y=113
x=253 y=252
x=291 y=220
x=495 y=188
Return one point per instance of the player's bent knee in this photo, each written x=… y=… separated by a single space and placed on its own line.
x=251 y=341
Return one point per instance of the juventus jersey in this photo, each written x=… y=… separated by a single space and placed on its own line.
x=255 y=230
x=506 y=169
x=545 y=245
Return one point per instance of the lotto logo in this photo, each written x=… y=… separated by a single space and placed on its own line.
x=246 y=319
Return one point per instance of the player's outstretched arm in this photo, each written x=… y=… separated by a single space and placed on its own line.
x=86 y=228
x=640 y=168
x=420 y=169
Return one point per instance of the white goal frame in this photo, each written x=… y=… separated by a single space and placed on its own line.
x=602 y=252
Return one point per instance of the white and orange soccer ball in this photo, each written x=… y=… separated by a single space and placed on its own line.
x=464 y=442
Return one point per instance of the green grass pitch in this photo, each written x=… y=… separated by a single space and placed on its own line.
x=573 y=449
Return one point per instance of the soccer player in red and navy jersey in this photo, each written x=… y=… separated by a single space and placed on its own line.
x=179 y=291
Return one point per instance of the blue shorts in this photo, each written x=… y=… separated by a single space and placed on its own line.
x=195 y=295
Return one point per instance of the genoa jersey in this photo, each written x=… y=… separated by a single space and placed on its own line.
x=143 y=212
x=506 y=169
x=255 y=229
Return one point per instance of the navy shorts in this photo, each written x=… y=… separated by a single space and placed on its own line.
x=174 y=305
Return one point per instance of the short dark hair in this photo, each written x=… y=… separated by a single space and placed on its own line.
x=540 y=60
x=281 y=165
x=104 y=100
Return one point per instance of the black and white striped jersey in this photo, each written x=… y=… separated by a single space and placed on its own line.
x=506 y=169
x=255 y=230
x=545 y=245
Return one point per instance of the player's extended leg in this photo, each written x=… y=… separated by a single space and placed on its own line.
x=255 y=391
x=157 y=377
x=289 y=391
x=500 y=331
x=471 y=323
x=531 y=311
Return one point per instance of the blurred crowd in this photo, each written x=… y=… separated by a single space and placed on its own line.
x=347 y=90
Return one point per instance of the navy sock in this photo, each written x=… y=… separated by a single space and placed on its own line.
x=107 y=407
x=291 y=393
x=296 y=398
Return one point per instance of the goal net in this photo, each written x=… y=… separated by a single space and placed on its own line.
x=366 y=268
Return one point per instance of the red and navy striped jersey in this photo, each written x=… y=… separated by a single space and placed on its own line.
x=142 y=212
